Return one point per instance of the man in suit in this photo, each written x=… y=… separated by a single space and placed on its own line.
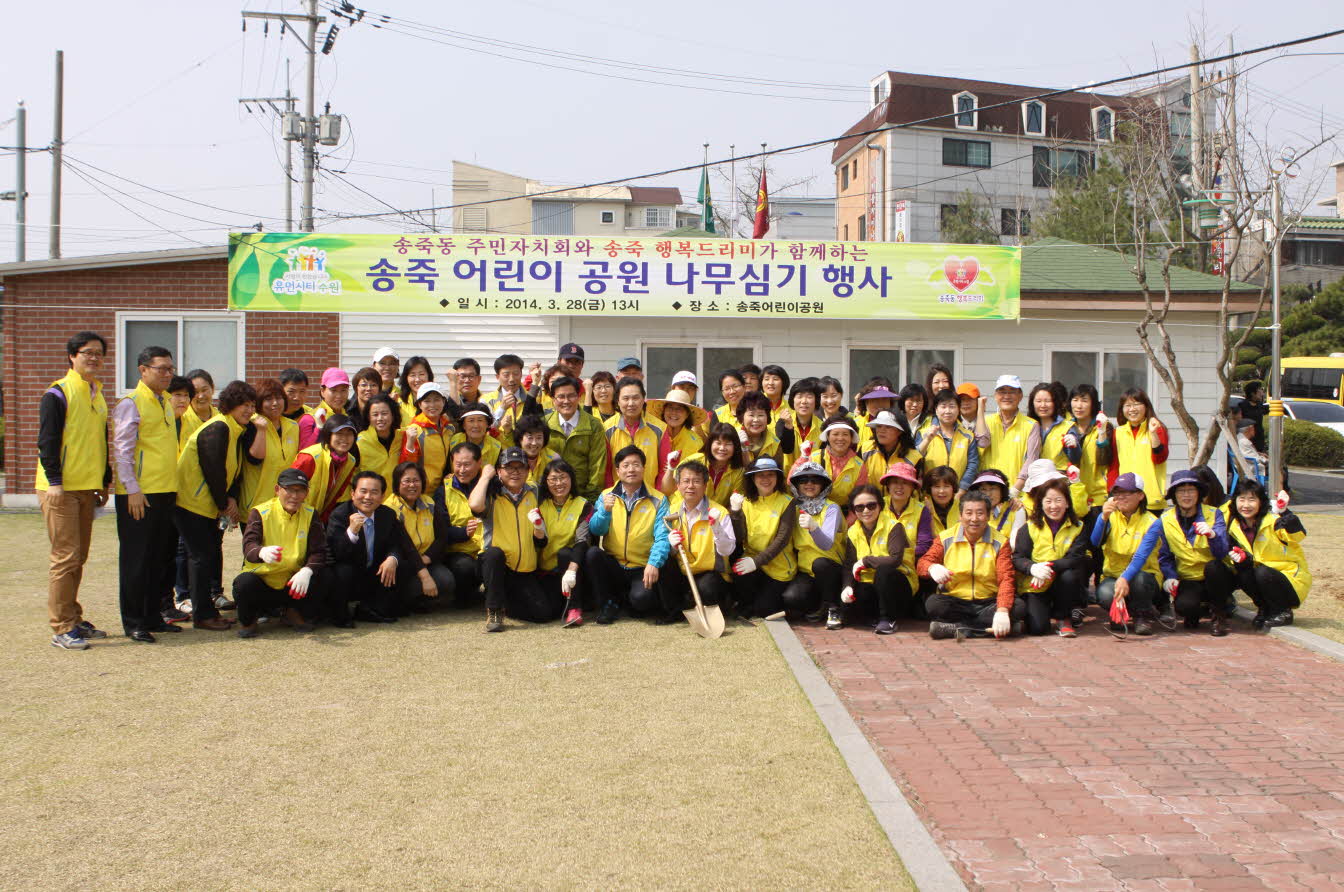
x=371 y=555
x=578 y=437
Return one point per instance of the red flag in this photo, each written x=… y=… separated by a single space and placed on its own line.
x=762 y=210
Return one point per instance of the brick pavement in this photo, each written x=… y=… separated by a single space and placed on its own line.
x=1176 y=762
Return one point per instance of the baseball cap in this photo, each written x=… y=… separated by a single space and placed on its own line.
x=571 y=351
x=684 y=377
x=292 y=477
x=968 y=389
x=426 y=389
x=1128 y=482
x=344 y=424
x=512 y=456
x=383 y=353
x=628 y=362
x=335 y=378
x=1008 y=381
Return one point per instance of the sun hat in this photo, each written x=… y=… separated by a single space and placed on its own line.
x=677 y=398
x=878 y=393
x=839 y=422
x=1008 y=381
x=765 y=463
x=383 y=353
x=884 y=419
x=1042 y=470
x=901 y=470
x=968 y=389
x=1183 y=477
x=808 y=469
x=335 y=378
x=990 y=478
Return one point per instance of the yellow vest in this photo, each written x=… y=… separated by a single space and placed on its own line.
x=459 y=512
x=807 y=549
x=1052 y=444
x=699 y=539
x=84 y=440
x=844 y=480
x=937 y=524
x=646 y=437
x=1048 y=546
x=323 y=493
x=489 y=450
x=909 y=518
x=561 y=524
x=155 y=443
x=418 y=519
x=282 y=446
x=876 y=546
x=290 y=532
x=373 y=457
x=1007 y=447
x=1278 y=550
x=763 y=516
x=938 y=455
x=972 y=564
x=538 y=471
x=688 y=443
x=630 y=537
x=407 y=412
x=1134 y=452
x=435 y=447
x=876 y=464
x=727 y=415
x=191 y=422
x=1093 y=475
x=1123 y=537
x=511 y=531
x=192 y=493
x=813 y=436
x=769 y=448
x=1190 y=556
x=729 y=482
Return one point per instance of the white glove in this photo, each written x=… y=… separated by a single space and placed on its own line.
x=1237 y=554
x=1070 y=441
x=271 y=554
x=847 y=595
x=674 y=538
x=1002 y=626
x=940 y=574
x=806 y=521
x=1102 y=420
x=744 y=566
x=1014 y=492
x=735 y=501
x=535 y=516
x=298 y=583
x=857 y=571
x=715 y=515
x=1169 y=586
x=746 y=441
x=1280 y=502
x=1073 y=474
x=808 y=446
x=1042 y=571
x=1203 y=529
x=672 y=458
x=568 y=581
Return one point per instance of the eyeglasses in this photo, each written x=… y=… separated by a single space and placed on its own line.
x=866 y=506
x=91 y=354
x=170 y=369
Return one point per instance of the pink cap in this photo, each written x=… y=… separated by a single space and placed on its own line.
x=335 y=378
x=901 y=470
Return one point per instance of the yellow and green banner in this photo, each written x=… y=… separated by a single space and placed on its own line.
x=700 y=278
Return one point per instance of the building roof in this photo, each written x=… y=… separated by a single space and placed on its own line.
x=98 y=261
x=1056 y=265
x=1321 y=224
x=655 y=195
x=914 y=97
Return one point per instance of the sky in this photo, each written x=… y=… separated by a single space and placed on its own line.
x=161 y=154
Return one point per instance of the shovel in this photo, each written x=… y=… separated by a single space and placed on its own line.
x=707 y=622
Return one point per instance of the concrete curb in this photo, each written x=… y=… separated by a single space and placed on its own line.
x=924 y=861
x=1301 y=637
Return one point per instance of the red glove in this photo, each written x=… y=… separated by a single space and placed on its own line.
x=1073 y=473
x=1238 y=554
x=527 y=382
x=808 y=446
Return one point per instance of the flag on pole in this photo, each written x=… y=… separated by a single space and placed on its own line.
x=706 y=202
x=762 y=225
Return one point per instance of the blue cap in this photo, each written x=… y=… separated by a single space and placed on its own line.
x=629 y=361
x=1182 y=477
x=765 y=463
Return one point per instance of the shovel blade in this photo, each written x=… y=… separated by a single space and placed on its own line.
x=714 y=620
x=697 y=623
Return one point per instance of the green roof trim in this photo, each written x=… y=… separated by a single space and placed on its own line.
x=1330 y=224
x=1056 y=265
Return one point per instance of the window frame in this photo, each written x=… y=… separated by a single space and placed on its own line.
x=602 y=218
x=849 y=344
x=1026 y=118
x=844 y=176
x=965 y=145
x=1096 y=130
x=1048 y=349
x=707 y=396
x=660 y=222
x=957 y=113
x=125 y=316
x=1019 y=217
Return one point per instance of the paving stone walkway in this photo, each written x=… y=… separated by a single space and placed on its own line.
x=1176 y=762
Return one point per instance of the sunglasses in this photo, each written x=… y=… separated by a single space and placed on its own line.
x=866 y=506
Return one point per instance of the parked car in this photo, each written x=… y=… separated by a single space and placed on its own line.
x=1326 y=414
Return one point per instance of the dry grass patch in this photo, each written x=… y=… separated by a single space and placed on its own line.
x=1324 y=611
x=421 y=755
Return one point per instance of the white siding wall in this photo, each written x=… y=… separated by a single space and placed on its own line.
x=987 y=349
x=444 y=339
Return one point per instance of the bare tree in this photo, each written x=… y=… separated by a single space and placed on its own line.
x=744 y=193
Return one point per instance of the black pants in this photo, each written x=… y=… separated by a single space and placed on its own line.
x=521 y=595
x=1090 y=520
x=623 y=585
x=757 y=594
x=551 y=579
x=888 y=596
x=145 y=560
x=1056 y=602
x=1141 y=593
x=1213 y=592
x=821 y=589
x=1268 y=588
x=255 y=598
x=181 y=581
x=466 y=570
x=977 y=613
x=444 y=580
x=205 y=559
x=359 y=583
x=676 y=590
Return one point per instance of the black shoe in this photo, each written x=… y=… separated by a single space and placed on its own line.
x=1283 y=618
x=1219 y=627
x=667 y=619
x=1191 y=622
x=816 y=616
x=608 y=614
x=368 y=615
x=1258 y=621
x=1079 y=616
x=942 y=631
x=142 y=636
x=166 y=627
x=173 y=615
x=346 y=623
x=494 y=620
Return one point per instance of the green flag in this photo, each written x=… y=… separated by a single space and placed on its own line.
x=706 y=202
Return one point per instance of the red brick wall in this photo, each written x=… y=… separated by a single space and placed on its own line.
x=42 y=310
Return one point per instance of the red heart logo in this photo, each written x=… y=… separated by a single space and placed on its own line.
x=961 y=272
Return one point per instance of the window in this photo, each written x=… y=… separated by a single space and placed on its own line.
x=966 y=153
x=1014 y=222
x=1103 y=123
x=879 y=92
x=210 y=341
x=657 y=218
x=1047 y=164
x=967 y=118
x=1033 y=118
x=844 y=177
x=1313 y=253
x=1311 y=384
x=863 y=227
x=854 y=170
x=662 y=361
x=608 y=217
x=1112 y=373
x=846 y=236
x=917 y=362
x=944 y=212
x=900 y=366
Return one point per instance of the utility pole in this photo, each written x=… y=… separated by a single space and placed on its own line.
x=1275 y=414
x=1198 y=181
x=732 y=190
x=54 y=236
x=20 y=194
x=288 y=99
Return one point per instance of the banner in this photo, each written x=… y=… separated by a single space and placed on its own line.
x=704 y=278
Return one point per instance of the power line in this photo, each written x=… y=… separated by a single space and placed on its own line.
x=77 y=172
x=148 y=188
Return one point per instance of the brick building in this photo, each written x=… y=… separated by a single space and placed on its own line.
x=176 y=298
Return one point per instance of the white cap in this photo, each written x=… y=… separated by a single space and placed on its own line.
x=684 y=377
x=383 y=353
x=1008 y=381
x=427 y=388
x=885 y=419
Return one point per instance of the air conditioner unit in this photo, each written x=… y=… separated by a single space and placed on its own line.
x=329 y=129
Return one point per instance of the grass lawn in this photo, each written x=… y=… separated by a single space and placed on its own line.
x=415 y=756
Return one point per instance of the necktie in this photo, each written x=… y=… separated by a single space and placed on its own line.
x=368 y=538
